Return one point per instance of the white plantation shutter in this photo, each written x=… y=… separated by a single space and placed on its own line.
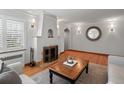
x=14 y=34
x=1 y=33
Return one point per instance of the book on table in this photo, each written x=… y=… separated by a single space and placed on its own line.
x=70 y=64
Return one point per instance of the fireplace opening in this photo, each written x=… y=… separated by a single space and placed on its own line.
x=50 y=53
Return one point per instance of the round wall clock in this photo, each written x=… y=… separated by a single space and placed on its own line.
x=93 y=33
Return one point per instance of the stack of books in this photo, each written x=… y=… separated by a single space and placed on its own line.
x=70 y=63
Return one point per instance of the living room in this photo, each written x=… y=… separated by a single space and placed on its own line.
x=34 y=41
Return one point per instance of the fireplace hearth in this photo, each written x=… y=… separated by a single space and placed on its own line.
x=50 y=53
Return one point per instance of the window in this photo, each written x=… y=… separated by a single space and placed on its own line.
x=11 y=34
x=14 y=35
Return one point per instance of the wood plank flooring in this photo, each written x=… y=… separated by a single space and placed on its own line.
x=40 y=66
x=96 y=58
x=92 y=57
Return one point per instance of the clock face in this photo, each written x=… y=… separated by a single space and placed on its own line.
x=93 y=33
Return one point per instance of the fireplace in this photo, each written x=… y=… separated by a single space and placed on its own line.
x=50 y=53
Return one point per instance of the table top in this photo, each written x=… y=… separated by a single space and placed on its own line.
x=69 y=72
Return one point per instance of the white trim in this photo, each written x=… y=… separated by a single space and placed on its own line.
x=11 y=18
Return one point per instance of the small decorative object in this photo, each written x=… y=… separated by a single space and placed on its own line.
x=50 y=33
x=70 y=61
x=93 y=33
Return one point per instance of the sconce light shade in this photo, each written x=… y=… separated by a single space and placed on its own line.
x=78 y=28
x=33 y=23
x=78 y=32
x=112 y=27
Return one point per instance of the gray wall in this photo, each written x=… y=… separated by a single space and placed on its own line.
x=109 y=43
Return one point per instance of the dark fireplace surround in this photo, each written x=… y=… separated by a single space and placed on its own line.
x=50 y=53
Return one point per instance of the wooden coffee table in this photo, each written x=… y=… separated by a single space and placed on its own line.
x=69 y=73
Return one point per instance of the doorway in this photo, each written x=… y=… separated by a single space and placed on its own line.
x=66 y=38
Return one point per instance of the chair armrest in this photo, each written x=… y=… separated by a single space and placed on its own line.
x=17 y=67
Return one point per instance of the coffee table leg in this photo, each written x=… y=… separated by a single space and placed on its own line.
x=51 y=77
x=72 y=82
x=87 y=69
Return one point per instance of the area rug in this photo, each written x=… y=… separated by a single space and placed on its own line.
x=97 y=75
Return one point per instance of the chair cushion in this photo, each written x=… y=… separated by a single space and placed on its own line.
x=17 y=67
x=26 y=80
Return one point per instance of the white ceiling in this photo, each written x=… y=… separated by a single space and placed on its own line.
x=81 y=15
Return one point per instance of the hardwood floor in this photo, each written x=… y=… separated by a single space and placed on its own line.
x=40 y=66
x=96 y=58
x=92 y=57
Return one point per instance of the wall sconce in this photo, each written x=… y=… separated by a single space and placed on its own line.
x=78 y=32
x=57 y=26
x=33 y=23
x=112 y=27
